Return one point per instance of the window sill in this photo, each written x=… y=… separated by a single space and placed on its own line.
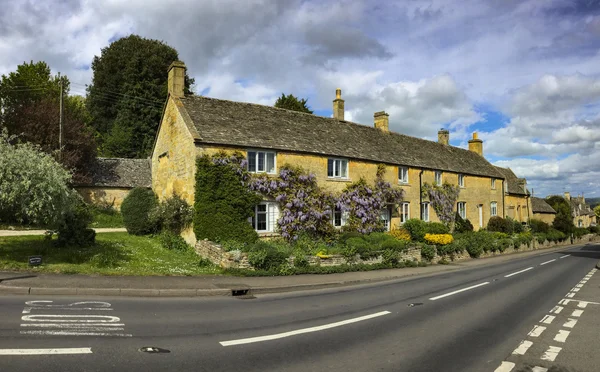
x=339 y=179
x=267 y=234
x=404 y=184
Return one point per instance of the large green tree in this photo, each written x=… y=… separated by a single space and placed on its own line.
x=563 y=221
x=292 y=102
x=127 y=94
x=30 y=108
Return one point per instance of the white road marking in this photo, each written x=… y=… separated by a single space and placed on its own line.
x=562 y=335
x=547 y=262
x=458 y=291
x=61 y=318
x=577 y=313
x=536 y=331
x=567 y=255
x=505 y=367
x=579 y=286
x=557 y=309
x=302 y=331
x=575 y=290
x=518 y=272
x=84 y=350
x=547 y=319
x=551 y=353
x=522 y=348
x=75 y=325
x=570 y=323
x=570 y=294
x=581 y=304
x=74 y=333
x=27 y=310
x=539 y=369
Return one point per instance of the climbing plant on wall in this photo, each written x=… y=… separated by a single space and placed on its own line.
x=443 y=199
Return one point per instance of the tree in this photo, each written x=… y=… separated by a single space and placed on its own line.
x=127 y=94
x=291 y=102
x=31 y=109
x=597 y=211
x=563 y=221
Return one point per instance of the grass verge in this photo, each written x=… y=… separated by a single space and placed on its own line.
x=113 y=254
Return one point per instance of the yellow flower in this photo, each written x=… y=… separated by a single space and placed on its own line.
x=439 y=239
x=322 y=254
x=400 y=234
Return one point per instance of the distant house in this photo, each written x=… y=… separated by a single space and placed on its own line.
x=517 y=201
x=542 y=210
x=583 y=214
x=113 y=178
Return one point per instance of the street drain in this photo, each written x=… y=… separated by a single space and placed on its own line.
x=415 y=304
x=239 y=292
x=153 y=349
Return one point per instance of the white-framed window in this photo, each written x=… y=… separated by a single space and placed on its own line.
x=265 y=217
x=493 y=209
x=338 y=218
x=261 y=161
x=580 y=223
x=403 y=174
x=337 y=168
x=404 y=212
x=461 y=180
x=385 y=217
x=462 y=210
x=493 y=183
x=438 y=178
x=425 y=212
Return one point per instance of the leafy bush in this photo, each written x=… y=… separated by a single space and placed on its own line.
x=539 y=226
x=267 y=256
x=516 y=226
x=400 y=234
x=522 y=239
x=436 y=228
x=223 y=202
x=578 y=232
x=300 y=259
x=394 y=245
x=428 y=252
x=173 y=215
x=462 y=225
x=172 y=241
x=357 y=246
x=73 y=227
x=500 y=224
x=554 y=235
x=349 y=234
x=136 y=209
x=594 y=229
x=416 y=228
x=438 y=239
x=564 y=222
x=477 y=242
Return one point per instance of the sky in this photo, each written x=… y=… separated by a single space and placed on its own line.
x=524 y=74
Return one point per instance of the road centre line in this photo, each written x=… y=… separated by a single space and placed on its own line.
x=518 y=272
x=567 y=255
x=74 y=325
x=551 y=353
x=459 y=291
x=84 y=350
x=570 y=323
x=74 y=333
x=547 y=319
x=301 y=331
x=539 y=369
x=577 y=313
x=522 y=348
x=505 y=367
x=562 y=335
x=547 y=262
x=536 y=331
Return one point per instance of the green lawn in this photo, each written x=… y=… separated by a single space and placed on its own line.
x=103 y=219
x=113 y=254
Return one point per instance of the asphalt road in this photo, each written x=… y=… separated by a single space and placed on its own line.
x=468 y=320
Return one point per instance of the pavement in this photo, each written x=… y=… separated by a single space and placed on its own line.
x=169 y=286
x=42 y=232
x=465 y=320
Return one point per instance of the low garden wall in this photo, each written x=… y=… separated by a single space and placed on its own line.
x=239 y=260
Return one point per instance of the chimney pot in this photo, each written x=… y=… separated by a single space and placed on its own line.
x=176 y=81
x=338 y=105
x=444 y=136
x=382 y=121
x=476 y=145
x=567 y=195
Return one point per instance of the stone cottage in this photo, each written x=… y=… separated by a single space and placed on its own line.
x=583 y=214
x=336 y=150
x=542 y=210
x=517 y=198
x=113 y=178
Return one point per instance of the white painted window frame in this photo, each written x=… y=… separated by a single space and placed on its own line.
x=403 y=175
x=265 y=161
x=336 y=164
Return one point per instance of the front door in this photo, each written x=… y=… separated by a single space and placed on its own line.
x=480 y=210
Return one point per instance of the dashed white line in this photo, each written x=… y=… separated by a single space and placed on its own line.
x=567 y=255
x=74 y=325
x=302 y=331
x=570 y=294
x=557 y=309
x=561 y=336
x=575 y=290
x=577 y=313
x=522 y=348
x=74 y=333
x=539 y=369
x=536 y=331
x=75 y=318
x=518 y=272
x=505 y=367
x=458 y=291
x=547 y=319
x=83 y=350
x=570 y=323
x=551 y=353
x=547 y=262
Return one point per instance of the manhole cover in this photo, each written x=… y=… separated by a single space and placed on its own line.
x=153 y=349
x=415 y=304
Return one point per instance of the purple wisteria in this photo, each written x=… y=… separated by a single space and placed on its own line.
x=236 y=160
x=443 y=199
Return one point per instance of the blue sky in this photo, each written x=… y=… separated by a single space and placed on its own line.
x=525 y=74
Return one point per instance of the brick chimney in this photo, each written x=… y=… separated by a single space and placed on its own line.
x=476 y=145
x=176 y=81
x=444 y=136
x=567 y=195
x=382 y=121
x=338 y=105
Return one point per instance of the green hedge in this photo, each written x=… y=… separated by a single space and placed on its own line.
x=136 y=209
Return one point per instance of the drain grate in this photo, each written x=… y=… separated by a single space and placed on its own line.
x=239 y=292
x=153 y=349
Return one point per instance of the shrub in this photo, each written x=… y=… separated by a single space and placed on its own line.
x=477 y=242
x=173 y=215
x=461 y=225
x=73 y=227
x=136 y=209
x=436 y=228
x=516 y=226
x=266 y=256
x=539 y=226
x=400 y=234
x=172 y=241
x=578 y=232
x=349 y=234
x=500 y=224
x=358 y=246
x=416 y=228
x=522 y=239
x=563 y=222
x=439 y=239
x=394 y=245
x=300 y=259
x=427 y=252
x=554 y=235
x=223 y=202
x=594 y=229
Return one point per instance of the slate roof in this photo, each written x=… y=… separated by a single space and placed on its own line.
x=539 y=205
x=585 y=210
x=117 y=172
x=223 y=122
x=512 y=182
